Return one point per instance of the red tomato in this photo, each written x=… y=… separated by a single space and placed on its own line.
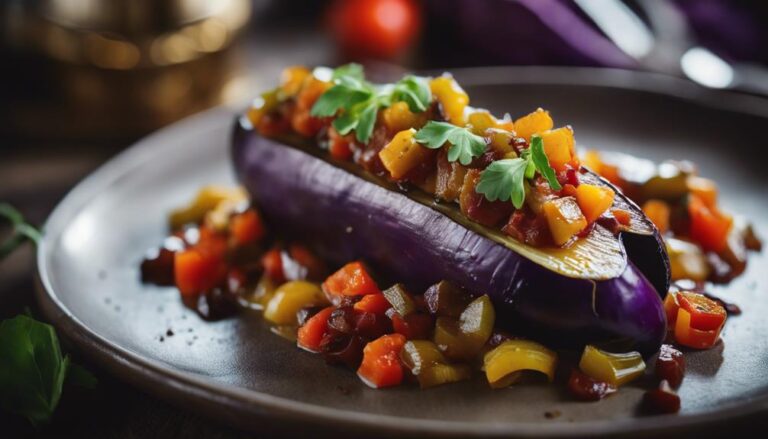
x=372 y=303
x=272 y=261
x=311 y=332
x=374 y=28
x=706 y=314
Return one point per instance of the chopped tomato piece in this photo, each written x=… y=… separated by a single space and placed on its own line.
x=351 y=280
x=272 y=261
x=316 y=268
x=311 y=333
x=246 y=228
x=381 y=361
x=373 y=303
x=709 y=227
x=706 y=314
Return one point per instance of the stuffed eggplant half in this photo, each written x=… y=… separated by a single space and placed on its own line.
x=410 y=179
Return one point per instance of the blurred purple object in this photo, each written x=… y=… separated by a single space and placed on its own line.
x=500 y=32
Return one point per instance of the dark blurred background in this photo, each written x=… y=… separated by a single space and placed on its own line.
x=83 y=79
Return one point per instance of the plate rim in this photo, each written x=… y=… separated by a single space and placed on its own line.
x=231 y=403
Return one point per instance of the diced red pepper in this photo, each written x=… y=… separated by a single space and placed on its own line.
x=373 y=303
x=310 y=334
x=246 y=228
x=338 y=145
x=381 y=362
x=316 y=269
x=351 y=280
x=272 y=261
x=689 y=319
x=622 y=216
x=709 y=227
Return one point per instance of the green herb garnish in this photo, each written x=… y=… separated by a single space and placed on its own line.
x=465 y=145
x=33 y=370
x=359 y=101
x=504 y=179
x=22 y=231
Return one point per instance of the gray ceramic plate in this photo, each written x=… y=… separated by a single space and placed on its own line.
x=240 y=373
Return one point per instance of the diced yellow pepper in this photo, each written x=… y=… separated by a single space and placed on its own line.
x=452 y=98
x=560 y=146
x=501 y=141
x=594 y=200
x=443 y=374
x=206 y=200
x=292 y=79
x=503 y=364
x=564 y=218
x=686 y=260
x=398 y=117
x=289 y=298
x=536 y=122
x=403 y=153
x=658 y=211
x=592 y=160
x=614 y=369
x=480 y=120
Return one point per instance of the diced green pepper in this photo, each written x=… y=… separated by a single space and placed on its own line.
x=400 y=299
x=429 y=366
x=464 y=338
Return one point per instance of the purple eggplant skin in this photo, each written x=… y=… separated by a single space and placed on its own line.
x=346 y=217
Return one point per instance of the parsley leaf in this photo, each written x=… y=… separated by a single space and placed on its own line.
x=464 y=144
x=22 y=231
x=503 y=180
x=540 y=160
x=356 y=102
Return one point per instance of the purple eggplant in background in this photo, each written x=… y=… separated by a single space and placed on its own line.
x=602 y=288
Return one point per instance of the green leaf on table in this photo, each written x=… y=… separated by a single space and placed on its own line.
x=465 y=145
x=32 y=369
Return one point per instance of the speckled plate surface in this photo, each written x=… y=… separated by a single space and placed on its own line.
x=239 y=372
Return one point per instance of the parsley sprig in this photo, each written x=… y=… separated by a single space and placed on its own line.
x=465 y=145
x=22 y=231
x=505 y=179
x=358 y=101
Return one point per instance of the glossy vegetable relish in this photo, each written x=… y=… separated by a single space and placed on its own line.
x=520 y=176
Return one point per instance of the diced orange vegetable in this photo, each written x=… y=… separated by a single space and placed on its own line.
x=338 y=145
x=703 y=188
x=292 y=79
x=564 y=218
x=594 y=200
x=709 y=227
x=453 y=99
x=316 y=268
x=246 y=228
x=351 y=280
x=658 y=212
x=197 y=269
x=311 y=333
x=381 y=365
x=272 y=261
x=501 y=141
x=592 y=160
x=695 y=319
x=398 y=117
x=305 y=124
x=622 y=216
x=403 y=153
x=534 y=123
x=301 y=121
x=373 y=303
x=560 y=147
x=706 y=314
x=482 y=120
x=691 y=337
x=476 y=207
